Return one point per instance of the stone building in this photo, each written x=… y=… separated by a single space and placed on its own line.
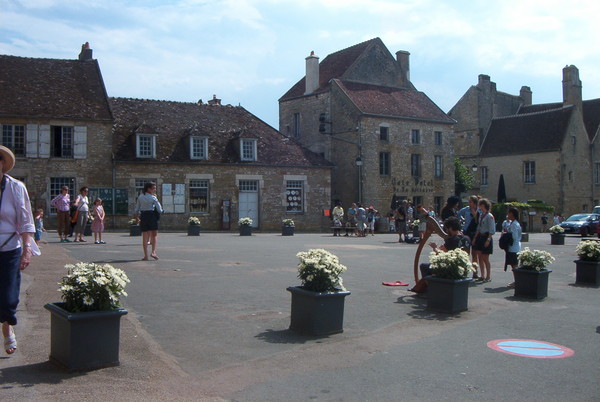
x=387 y=140
x=542 y=151
x=219 y=163
x=56 y=118
x=211 y=161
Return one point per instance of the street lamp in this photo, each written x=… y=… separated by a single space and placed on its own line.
x=358 y=161
x=474 y=168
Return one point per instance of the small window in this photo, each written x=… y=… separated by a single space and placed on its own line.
x=248 y=149
x=199 y=147
x=596 y=173
x=415 y=165
x=570 y=176
x=199 y=196
x=437 y=204
x=438 y=166
x=415 y=136
x=437 y=137
x=146 y=146
x=384 y=163
x=529 y=172
x=13 y=137
x=294 y=194
x=384 y=133
x=62 y=141
x=484 y=175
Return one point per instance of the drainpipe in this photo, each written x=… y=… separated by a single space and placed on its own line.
x=114 y=184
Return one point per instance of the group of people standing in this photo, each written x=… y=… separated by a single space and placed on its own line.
x=359 y=220
x=78 y=214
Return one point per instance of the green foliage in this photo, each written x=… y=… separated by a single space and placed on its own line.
x=539 y=205
x=463 y=178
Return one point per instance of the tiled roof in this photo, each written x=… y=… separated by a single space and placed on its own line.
x=174 y=122
x=53 y=88
x=333 y=66
x=526 y=133
x=393 y=102
x=542 y=107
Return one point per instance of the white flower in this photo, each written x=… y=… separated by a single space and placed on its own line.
x=87 y=300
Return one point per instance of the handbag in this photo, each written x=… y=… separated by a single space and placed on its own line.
x=506 y=240
x=75 y=216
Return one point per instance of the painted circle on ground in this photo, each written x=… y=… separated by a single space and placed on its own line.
x=531 y=348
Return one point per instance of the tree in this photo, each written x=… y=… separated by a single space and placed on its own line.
x=463 y=178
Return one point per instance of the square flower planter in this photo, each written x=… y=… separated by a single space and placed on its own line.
x=531 y=284
x=316 y=313
x=447 y=295
x=135 y=230
x=287 y=230
x=587 y=273
x=557 y=239
x=245 y=230
x=193 y=230
x=84 y=341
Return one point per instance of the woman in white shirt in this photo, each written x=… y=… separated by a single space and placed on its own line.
x=148 y=211
x=83 y=208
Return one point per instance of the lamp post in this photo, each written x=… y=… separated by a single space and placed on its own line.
x=359 y=163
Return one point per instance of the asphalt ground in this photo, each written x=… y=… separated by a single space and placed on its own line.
x=209 y=321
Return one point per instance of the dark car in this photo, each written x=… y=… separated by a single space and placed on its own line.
x=583 y=224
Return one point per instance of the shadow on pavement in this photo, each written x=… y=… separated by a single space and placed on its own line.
x=33 y=374
x=285 y=336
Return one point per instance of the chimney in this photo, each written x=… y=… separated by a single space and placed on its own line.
x=526 y=94
x=571 y=86
x=403 y=58
x=312 y=73
x=486 y=84
x=86 y=52
x=214 y=101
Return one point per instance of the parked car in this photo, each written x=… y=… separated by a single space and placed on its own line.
x=583 y=224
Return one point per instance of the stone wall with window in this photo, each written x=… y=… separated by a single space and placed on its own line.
x=54 y=152
x=187 y=190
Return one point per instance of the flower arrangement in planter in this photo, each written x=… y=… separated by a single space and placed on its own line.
x=92 y=287
x=557 y=235
x=287 y=227
x=132 y=221
x=134 y=228
x=318 y=305
x=85 y=327
x=531 y=277
x=246 y=221
x=245 y=226
x=534 y=260
x=588 y=265
x=453 y=264
x=448 y=286
x=194 y=221
x=320 y=271
x=415 y=224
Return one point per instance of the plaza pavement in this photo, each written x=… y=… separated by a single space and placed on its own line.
x=209 y=320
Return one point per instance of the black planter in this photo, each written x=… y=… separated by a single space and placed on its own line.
x=317 y=313
x=193 y=230
x=587 y=273
x=524 y=237
x=447 y=295
x=531 y=284
x=245 y=230
x=135 y=230
x=557 y=239
x=84 y=341
x=287 y=230
x=87 y=230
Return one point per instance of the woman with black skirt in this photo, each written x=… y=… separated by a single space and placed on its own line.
x=148 y=211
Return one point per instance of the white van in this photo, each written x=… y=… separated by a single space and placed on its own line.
x=596 y=209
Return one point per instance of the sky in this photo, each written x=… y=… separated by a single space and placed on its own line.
x=250 y=52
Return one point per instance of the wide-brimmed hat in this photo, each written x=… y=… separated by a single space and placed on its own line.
x=8 y=159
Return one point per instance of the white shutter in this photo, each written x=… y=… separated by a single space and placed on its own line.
x=167 y=198
x=32 y=141
x=179 y=200
x=80 y=142
x=44 y=145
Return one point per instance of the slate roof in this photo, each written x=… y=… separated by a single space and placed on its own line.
x=52 y=88
x=333 y=66
x=526 y=133
x=393 y=102
x=174 y=122
x=591 y=113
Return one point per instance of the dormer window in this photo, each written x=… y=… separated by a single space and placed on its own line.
x=146 y=146
x=199 y=147
x=248 y=149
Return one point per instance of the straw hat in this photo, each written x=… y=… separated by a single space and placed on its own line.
x=8 y=159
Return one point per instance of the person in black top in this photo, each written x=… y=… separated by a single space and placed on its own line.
x=450 y=207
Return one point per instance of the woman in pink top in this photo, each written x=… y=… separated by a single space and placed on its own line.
x=62 y=204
